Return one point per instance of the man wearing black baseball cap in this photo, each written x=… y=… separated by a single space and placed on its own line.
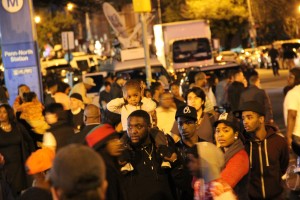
x=268 y=152
x=186 y=117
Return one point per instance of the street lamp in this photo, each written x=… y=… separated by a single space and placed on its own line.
x=70 y=6
x=37 y=19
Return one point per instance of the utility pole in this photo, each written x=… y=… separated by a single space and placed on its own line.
x=143 y=7
x=252 y=30
x=146 y=49
x=159 y=12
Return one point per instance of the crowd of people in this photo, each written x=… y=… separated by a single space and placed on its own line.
x=144 y=143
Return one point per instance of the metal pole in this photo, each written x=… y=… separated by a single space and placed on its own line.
x=159 y=12
x=252 y=23
x=146 y=49
x=69 y=52
x=88 y=27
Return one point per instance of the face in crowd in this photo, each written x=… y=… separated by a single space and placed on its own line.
x=23 y=89
x=75 y=103
x=252 y=121
x=186 y=127
x=132 y=96
x=166 y=100
x=225 y=135
x=137 y=130
x=175 y=90
x=51 y=118
x=3 y=115
x=114 y=147
x=161 y=89
x=194 y=101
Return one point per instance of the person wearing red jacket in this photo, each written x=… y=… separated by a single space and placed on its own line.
x=236 y=169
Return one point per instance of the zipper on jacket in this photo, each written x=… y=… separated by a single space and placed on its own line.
x=261 y=171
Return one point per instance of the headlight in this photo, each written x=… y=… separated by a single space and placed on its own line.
x=219 y=58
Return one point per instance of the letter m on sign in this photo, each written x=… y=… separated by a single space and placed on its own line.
x=12 y=3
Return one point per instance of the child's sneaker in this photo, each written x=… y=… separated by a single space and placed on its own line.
x=127 y=168
x=165 y=165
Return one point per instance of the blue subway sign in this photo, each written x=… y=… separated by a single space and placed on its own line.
x=19 y=55
x=19 y=47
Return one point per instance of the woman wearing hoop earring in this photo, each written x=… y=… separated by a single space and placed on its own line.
x=236 y=168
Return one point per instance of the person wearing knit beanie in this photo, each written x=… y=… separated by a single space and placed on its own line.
x=37 y=165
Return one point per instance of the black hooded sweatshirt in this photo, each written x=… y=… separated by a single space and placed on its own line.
x=269 y=160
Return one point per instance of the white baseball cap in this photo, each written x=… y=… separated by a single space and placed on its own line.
x=89 y=81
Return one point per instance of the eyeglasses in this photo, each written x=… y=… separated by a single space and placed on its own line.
x=188 y=122
x=138 y=126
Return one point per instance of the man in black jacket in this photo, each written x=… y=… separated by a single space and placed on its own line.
x=91 y=119
x=255 y=93
x=116 y=88
x=268 y=153
x=57 y=118
x=148 y=180
x=186 y=118
x=235 y=89
x=274 y=54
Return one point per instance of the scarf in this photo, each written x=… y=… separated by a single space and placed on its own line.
x=233 y=149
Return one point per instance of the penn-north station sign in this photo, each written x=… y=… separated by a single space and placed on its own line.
x=19 y=47
x=19 y=55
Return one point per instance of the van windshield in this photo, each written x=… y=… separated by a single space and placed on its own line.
x=140 y=73
x=191 y=50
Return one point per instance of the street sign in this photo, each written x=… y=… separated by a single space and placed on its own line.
x=19 y=55
x=142 y=5
x=67 y=39
x=19 y=47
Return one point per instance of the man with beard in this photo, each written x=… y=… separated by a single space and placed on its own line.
x=148 y=180
x=268 y=153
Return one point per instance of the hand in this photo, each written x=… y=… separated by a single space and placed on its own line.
x=172 y=159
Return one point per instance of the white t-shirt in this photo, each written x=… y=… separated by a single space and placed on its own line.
x=165 y=119
x=117 y=106
x=292 y=102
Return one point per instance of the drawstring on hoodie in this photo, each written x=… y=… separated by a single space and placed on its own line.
x=250 y=154
x=266 y=153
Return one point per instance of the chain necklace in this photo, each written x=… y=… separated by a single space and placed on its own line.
x=149 y=154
